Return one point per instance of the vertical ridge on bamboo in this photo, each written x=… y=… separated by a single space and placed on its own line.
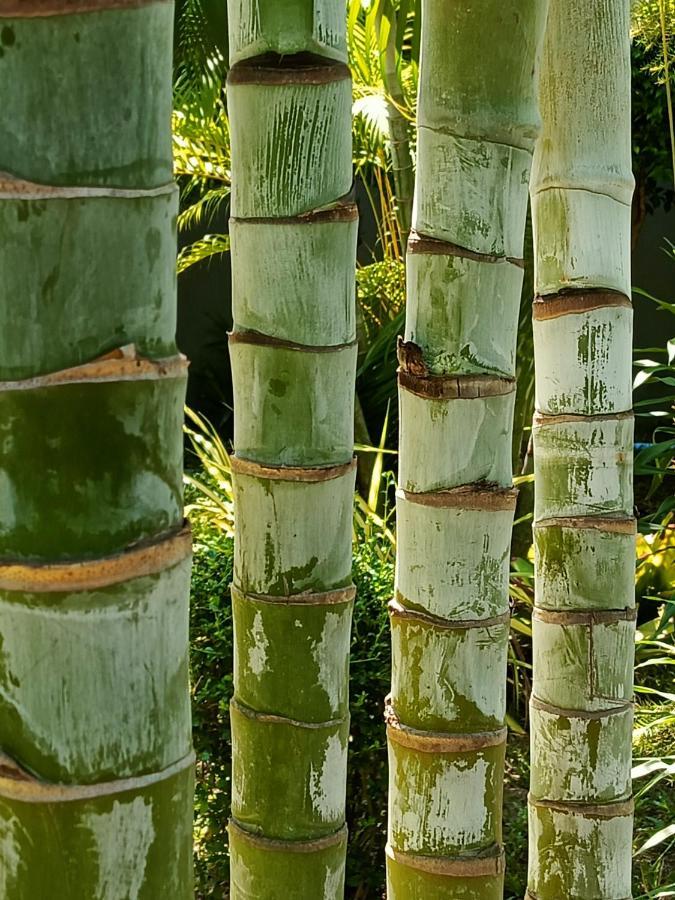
x=293 y=351
x=477 y=124
x=580 y=806
x=96 y=763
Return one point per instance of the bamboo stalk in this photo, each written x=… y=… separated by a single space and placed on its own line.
x=581 y=710
x=477 y=125
x=96 y=767
x=293 y=352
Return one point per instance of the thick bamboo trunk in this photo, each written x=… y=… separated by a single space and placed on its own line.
x=476 y=131
x=580 y=806
x=96 y=773
x=293 y=354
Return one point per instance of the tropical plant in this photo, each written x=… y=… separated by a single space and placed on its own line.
x=293 y=352
x=477 y=121
x=581 y=710
x=96 y=780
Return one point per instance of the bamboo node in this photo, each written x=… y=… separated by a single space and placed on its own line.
x=615 y=525
x=544 y=420
x=315 y=845
x=590 y=617
x=122 y=364
x=576 y=302
x=13 y=188
x=258 y=339
x=423 y=244
x=273 y=719
x=326 y=598
x=294 y=69
x=621 y=709
x=414 y=378
x=614 y=810
x=17 y=784
x=31 y=9
x=241 y=466
x=479 y=496
x=437 y=741
x=144 y=558
x=342 y=210
x=480 y=865
x=398 y=611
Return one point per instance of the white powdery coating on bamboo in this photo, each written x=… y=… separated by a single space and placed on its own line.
x=581 y=759
x=438 y=673
x=432 y=573
x=446 y=808
x=123 y=837
x=448 y=443
x=583 y=568
x=257 y=652
x=10 y=853
x=584 y=468
x=291 y=147
x=582 y=240
x=326 y=783
x=582 y=666
x=294 y=281
x=453 y=305
x=139 y=643
x=334 y=884
x=581 y=181
x=590 y=375
x=577 y=858
x=285 y=525
x=331 y=655
x=471 y=193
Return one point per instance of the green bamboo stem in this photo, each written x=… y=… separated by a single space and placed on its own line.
x=96 y=782
x=477 y=125
x=293 y=352
x=581 y=710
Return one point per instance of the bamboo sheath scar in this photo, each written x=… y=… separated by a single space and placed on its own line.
x=477 y=123
x=96 y=763
x=293 y=352
x=583 y=625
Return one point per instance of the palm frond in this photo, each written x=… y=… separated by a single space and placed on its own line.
x=210 y=245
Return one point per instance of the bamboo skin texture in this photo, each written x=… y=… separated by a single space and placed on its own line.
x=581 y=711
x=96 y=767
x=293 y=352
x=477 y=124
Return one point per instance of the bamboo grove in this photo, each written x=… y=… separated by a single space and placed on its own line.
x=293 y=353
x=581 y=711
x=96 y=776
x=96 y=762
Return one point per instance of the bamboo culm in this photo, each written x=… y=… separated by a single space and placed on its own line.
x=293 y=351
x=477 y=124
x=96 y=781
x=583 y=627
